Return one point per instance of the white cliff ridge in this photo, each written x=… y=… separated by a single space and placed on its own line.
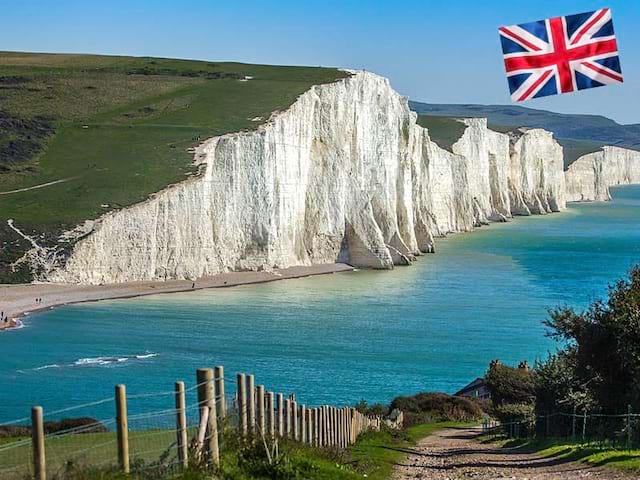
x=345 y=174
x=589 y=177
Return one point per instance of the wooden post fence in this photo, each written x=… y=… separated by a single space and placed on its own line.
x=221 y=401
x=37 y=443
x=181 y=424
x=207 y=398
x=287 y=415
x=271 y=418
x=122 y=428
x=260 y=405
x=242 y=403
x=294 y=420
x=280 y=415
x=251 y=403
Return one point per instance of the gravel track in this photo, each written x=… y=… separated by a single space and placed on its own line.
x=454 y=454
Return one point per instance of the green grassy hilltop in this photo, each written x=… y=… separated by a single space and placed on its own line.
x=95 y=133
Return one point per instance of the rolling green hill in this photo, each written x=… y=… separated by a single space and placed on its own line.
x=94 y=133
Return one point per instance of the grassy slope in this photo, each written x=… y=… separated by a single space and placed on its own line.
x=375 y=454
x=444 y=131
x=142 y=115
x=592 y=454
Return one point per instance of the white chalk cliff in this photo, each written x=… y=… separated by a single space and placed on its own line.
x=344 y=174
x=589 y=177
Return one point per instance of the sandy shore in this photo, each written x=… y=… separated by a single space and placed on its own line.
x=19 y=300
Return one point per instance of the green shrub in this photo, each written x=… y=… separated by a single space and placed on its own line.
x=430 y=407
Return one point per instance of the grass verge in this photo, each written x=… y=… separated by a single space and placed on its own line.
x=91 y=456
x=595 y=454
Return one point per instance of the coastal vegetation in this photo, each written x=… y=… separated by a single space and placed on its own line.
x=443 y=131
x=583 y=402
x=373 y=455
x=81 y=135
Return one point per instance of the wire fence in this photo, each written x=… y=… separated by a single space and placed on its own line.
x=620 y=431
x=158 y=432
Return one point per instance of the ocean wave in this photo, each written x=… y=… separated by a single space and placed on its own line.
x=44 y=367
x=100 y=361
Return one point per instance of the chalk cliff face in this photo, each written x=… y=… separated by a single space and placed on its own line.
x=589 y=177
x=344 y=174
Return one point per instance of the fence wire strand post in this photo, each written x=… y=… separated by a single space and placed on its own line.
x=629 y=427
x=37 y=438
x=181 y=424
x=219 y=380
x=122 y=427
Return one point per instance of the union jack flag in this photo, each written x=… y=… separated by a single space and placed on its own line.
x=560 y=55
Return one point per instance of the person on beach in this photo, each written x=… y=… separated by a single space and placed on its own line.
x=193 y=285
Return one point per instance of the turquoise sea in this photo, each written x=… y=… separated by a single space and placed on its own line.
x=337 y=338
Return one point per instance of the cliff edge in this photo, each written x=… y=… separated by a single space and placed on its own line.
x=345 y=174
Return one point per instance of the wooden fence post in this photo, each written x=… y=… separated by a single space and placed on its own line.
x=181 y=424
x=122 y=428
x=37 y=443
x=221 y=401
x=242 y=403
x=287 y=416
x=303 y=423
x=251 y=403
x=294 y=420
x=327 y=426
x=280 y=407
x=316 y=427
x=629 y=427
x=260 y=405
x=271 y=420
x=207 y=398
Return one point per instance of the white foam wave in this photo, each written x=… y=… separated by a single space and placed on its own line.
x=44 y=367
x=100 y=361
x=109 y=360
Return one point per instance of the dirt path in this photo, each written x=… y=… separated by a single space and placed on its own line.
x=35 y=187
x=455 y=455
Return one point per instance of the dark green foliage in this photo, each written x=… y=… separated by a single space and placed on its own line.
x=91 y=425
x=604 y=347
x=510 y=385
x=21 y=139
x=374 y=409
x=429 y=407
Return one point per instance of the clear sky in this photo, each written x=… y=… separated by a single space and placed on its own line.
x=433 y=51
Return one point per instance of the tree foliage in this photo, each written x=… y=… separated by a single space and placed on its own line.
x=510 y=385
x=600 y=366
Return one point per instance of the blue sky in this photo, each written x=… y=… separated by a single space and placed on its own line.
x=434 y=51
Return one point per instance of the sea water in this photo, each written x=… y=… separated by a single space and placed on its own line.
x=340 y=338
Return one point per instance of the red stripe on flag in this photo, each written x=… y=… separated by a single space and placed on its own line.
x=520 y=39
x=602 y=71
x=586 y=28
x=535 y=85
x=560 y=49
x=548 y=59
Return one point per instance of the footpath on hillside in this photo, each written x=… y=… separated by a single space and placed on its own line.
x=454 y=454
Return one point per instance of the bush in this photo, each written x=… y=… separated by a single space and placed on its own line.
x=510 y=385
x=374 y=409
x=55 y=427
x=429 y=407
x=604 y=346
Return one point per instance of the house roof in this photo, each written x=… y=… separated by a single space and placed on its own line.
x=476 y=384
